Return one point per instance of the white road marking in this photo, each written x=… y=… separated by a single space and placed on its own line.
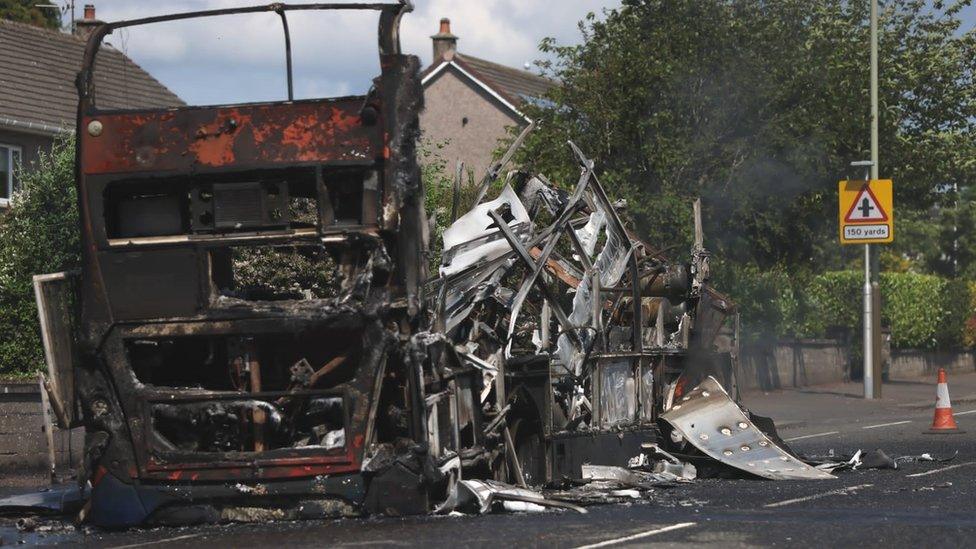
x=838 y=492
x=934 y=471
x=811 y=436
x=384 y=542
x=886 y=424
x=964 y=413
x=157 y=542
x=638 y=536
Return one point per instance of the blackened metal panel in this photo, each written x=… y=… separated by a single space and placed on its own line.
x=149 y=216
x=713 y=308
x=245 y=136
x=403 y=201
x=158 y=284
x=569 y=451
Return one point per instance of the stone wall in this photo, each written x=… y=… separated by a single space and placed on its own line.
x=909 y=364
x=792 y=363
x=803 y=362
x=23 y=443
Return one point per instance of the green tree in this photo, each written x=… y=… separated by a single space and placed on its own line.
x=29 y=11
x=759 y=107
x=438 y=180
x=39 y=234
x=942 y=239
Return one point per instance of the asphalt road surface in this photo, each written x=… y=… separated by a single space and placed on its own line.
x=919 y=504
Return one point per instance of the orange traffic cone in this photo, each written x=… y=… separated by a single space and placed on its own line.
x=943 y=422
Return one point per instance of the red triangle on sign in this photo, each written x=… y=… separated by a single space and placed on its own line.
x=865 y=208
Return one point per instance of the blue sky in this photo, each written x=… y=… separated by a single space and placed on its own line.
x=241 y=58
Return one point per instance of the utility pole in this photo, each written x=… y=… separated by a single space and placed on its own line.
x=874 y=309
x=869 y=312
x=867 y=228
x=874 y=89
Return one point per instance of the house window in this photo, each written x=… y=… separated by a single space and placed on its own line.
x=9 y=166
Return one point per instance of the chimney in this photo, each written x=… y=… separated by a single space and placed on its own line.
x=445 y=43
x=85 y=26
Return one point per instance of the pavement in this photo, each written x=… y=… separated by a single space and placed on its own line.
x=919 y=504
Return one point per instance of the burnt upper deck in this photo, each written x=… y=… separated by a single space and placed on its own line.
x=166 y=195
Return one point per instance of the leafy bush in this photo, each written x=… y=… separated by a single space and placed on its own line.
x=438 y=186
x=956 y=309
x=834 y=299
x=438 y=177
x=915 y=306
x=39 y=234
x=923 y=311
x=285 y=273
x=766 y=299
x=969 y=331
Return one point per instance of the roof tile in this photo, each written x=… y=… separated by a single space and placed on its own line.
x=517 y=86
x=38 y=74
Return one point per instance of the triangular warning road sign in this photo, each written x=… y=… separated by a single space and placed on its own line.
x=865 y=208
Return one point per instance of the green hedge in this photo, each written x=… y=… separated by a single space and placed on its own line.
x=768 y=304
x=39 y=234
x=923 y=311
x=834 y=299
x=969 y=331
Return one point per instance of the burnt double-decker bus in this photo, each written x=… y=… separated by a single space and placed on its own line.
x=345 y=378
x=189 y=380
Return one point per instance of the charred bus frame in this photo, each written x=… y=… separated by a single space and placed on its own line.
x=166 y=196
x=377 y=394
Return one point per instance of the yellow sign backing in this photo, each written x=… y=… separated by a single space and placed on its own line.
x=866 y=214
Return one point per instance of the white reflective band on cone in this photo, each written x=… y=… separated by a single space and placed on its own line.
x=942 y=396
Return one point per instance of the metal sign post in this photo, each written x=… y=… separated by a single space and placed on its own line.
x=866 y=216
x=876 y=321
x=868 y=327
x=868 y=319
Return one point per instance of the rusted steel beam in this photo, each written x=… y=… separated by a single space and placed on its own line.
x=254 y=367
x=580 y=251
x=513 y=459
x=274 y=8
x=284 y=25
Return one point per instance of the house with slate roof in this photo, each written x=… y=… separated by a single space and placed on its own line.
x=470 y=102
x=38 y=100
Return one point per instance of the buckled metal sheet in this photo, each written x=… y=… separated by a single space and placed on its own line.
x=712 y=422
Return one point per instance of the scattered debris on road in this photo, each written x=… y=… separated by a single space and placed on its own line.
x=871 y=459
